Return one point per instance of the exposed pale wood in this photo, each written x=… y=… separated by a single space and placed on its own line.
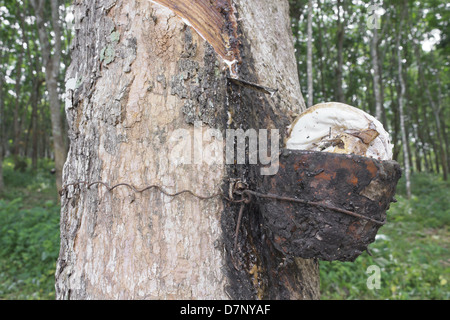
x=213 y=20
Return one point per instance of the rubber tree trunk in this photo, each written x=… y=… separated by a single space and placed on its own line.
x=52 y=60
x=340 y=55
x=2 y=120
x=320 y=51
x=17 y=106
x=138 y=74
x=36 y=82
x=34 y=123
x=376 y=75
x=310 y=56
x=443 y=117
x=401 y=106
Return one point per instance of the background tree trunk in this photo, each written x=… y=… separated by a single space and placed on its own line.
x=401 y=98
x=310 y=56
x=16 y=127
x=320 y=51
x=340 y=55
x=52 y=61
x=138 y=73
x=443 y=117
x=34 y=123
x=376 y=76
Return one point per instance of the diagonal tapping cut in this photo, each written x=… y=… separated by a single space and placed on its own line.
x=214 y=21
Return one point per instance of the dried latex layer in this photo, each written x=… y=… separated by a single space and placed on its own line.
x=340 y=128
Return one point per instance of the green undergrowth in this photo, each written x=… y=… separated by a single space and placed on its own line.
x=29 y=233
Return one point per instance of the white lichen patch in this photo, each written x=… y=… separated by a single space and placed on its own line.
x=340 y=128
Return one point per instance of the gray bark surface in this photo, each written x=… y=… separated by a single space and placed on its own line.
x=376 y=76
x=401 y=98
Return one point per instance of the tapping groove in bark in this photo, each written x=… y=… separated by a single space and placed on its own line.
x=376 y=75
x=139 y=73
x=339 y=93
x=214 y=21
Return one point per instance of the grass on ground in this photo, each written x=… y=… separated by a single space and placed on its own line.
x=29 y=233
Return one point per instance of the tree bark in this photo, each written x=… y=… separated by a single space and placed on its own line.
x=310 y=56
x=320 y=52
x=16 y=118
x=34 y=123
x=396 y=118
x=401 y=98
x=52 y=61
x=138 y=74
x=340 y=55
x=420 y=142
x=376 y=76
x=382 y=88
x=441 y=149
x=430 y=134
x=36 y=82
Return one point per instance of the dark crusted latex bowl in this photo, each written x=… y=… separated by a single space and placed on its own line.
x=336 y=185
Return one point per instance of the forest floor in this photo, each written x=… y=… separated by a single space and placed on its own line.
x=411 y=250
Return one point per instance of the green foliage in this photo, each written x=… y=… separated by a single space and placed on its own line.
x=29 y=250
x=412 y=250
x=29 y=185
x=29 y=234
x=430 y=204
